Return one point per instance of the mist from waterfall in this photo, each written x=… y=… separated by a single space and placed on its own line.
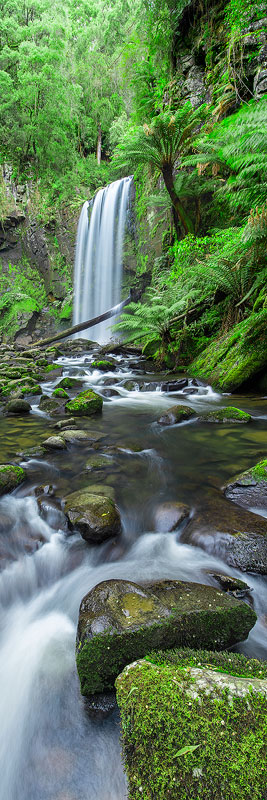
x=98 y=260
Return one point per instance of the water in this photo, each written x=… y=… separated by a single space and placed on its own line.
x=98 y=262
x=49 y=748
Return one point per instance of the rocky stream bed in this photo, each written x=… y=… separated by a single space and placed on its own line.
x=137 y=481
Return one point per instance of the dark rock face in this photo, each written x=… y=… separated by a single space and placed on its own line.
x=168 y=516
x=176 y=414
x=94 y=516
x=174 y=386
x=249 y=489
x=237 y=536
x=120 y=621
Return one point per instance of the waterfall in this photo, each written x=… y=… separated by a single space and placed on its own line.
x=98 y=260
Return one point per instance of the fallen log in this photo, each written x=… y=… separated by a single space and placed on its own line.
x=82 y=326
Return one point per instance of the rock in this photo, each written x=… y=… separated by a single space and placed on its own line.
x=46 y=489
x=236 y=536
x=60 y=392
x=174 y=386
x=176 y=414
x=190 y=725
x=85 y=404
x=99 y=462
x=151 y=348
x=52 y=371
x=75 y=436
x=168 y=516
x=119 y=621
x=237 y=357
x=104 y=366
x=10 y=477
x=32 y=452
x=62 y=424
x=234 y=585
x=102 y=490
x=55 y=443
x=249 y=489
x=18 y=407
x=69 y=383
x=99 y=706
x=228 y=414
x=50 y=404
x=26 y=385
x=94 y=516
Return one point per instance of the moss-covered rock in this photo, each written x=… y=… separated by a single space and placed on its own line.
x=18 y=406
x=60 y=392
x=120 y=621
x=54 y=370
x=85 y=404
x=53 y=405
x=230 y=414
x=249 y=489
x=95 y=517
x=176 y=414
x=193 y=731
x=75 y=436
x=104 y=365
x=96 y=461
x=26 y=385
x=68 y=383
x=151 y=348
x=55 y=443
x=236 y=357
x=10 y=477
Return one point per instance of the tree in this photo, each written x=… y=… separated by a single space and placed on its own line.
x=161 y=145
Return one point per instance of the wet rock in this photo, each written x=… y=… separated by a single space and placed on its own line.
x=62 y=424
x=55 y=443
x=120 y=621
x=104 y=366
x=60 y=392
x=18 y=407
x=85 y=404
x=51 y=405
x=174 y=386
x=46 y=489
x=234 y=585
x=168 y=516
x=236 y=536
x=110 y=393
x=69 y=383
x=249 y=489
x=10 y=477
x=26 y=385
x=52 y=371
x=95 y=462
x=176 y=414
x=130 y=386
x=228 y=414
x=32 y=452
x=94 y=516
x=52 y=513
x=102 y=490
x=75 y=436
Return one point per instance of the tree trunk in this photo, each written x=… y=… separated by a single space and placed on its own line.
x=82 y=326
x=179 y=211
x=99 y=144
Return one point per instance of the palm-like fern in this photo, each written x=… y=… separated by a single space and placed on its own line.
x=161 y=144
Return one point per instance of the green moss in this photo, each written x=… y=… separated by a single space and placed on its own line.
x=52 y=368
x=259 y=472
x=187 y=740
x=103 y=365
x=229 y=414
x=236 y=357
x=85 y=404
x=25 y=385
x=232 y=663
x=60 y=392
x=67 y=383
x=10 y=477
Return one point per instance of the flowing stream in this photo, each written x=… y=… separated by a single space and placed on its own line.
x=98 y=262
x=49 y=748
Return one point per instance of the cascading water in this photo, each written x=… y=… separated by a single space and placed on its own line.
x=98 y=261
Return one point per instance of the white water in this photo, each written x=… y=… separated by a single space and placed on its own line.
x=98 y=261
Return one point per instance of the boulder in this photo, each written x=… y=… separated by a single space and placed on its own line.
x=18 y=407
x=236 y=536
x=174 y=386
x=51 y=405
x=62 y=424
x=230 y=414
x=168 y=516
x=75 y=436
x=10 y=477
x=120 y=621
x=95 y=516
x=55 y=443
x=194 y=726
x=99 y=462
x=85 y=404
x=176 y=414
x=104 y=366
x=60 y=392
x=249 y=489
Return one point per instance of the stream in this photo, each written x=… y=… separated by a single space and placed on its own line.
x=49 y=748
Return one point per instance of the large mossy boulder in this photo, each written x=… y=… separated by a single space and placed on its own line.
x=176 y=414
x=120 y=621
x=85 y=404
x=95 y=517
x=235 y=535
x=194 y=726
x=10 y=477
x=237 y=357
x=249 y=489
x=229 y=415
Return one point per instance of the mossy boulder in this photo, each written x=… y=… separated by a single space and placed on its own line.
x=96 y=461
x=95 y=516
x=104 y=365
x=55 y=443
x=233 y=534
x=230 y=414
x=18 y=406
x=120 y=621
x=60 y=392
x=52 y=405
x=62 y=424
x=10 y=477
x=53 y=370
x=85 y=404
x=193 y=730
x=26 y=385
x=249 y=489
x=75 y=436
x=235 y=358
x=69 y=383
x=176 y=414
x=151 y=348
